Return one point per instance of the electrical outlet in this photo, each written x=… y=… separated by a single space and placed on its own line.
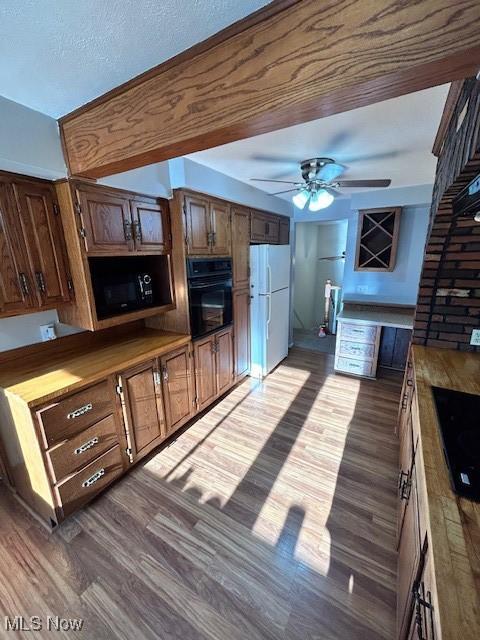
x=47 y=331
x=475 y=338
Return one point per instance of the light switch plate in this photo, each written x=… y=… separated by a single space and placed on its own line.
x=475 y=338
x=47 y=331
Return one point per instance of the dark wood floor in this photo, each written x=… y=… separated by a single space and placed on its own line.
x=273 y=517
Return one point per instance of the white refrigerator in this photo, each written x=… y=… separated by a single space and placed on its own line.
x=270 y=306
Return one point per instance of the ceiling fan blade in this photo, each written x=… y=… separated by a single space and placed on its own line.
x=330 y=171
x=277 y=193
x=333 y=191
x=279 y=159
x=267 y=180
x=364 y=183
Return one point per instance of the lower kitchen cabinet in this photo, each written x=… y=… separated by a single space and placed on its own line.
x=214 y=366
x=178 y=387
x=142 y=405
x=241 y=317
x=224 y=360
x=205 y=371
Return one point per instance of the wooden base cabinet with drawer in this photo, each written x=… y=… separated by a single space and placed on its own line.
x=356 y=348
x=214 y=366
x=63 y=453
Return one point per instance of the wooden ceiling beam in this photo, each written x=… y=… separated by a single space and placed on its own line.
x=291 y=62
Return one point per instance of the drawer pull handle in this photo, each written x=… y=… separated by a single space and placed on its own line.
x=86 y=446
x=96 y=476
x=80 y=411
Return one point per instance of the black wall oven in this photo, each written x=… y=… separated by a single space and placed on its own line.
x=210 y=294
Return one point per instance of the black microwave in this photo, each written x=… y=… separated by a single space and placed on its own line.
x=117 y=293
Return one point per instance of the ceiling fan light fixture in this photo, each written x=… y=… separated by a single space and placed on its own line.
x=320 y=199
x=300 y=199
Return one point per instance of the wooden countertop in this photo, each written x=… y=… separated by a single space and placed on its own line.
x=379 y=317
x=453 y=523
x=38 y=379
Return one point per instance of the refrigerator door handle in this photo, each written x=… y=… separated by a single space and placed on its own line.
x=269 y=279
x=269 y=314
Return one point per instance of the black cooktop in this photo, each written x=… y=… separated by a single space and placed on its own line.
x=459 y=419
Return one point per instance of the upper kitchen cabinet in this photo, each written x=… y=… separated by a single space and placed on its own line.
x=150 y=225
x=241 y=247
x=115 y=222
x=119 y=244
x=207 y=226
x=34 y=270
x=41 y=226
x=269 y=228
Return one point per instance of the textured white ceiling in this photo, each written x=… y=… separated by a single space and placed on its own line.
x=390 y=139
x=56 y=55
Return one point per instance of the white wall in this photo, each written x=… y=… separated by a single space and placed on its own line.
x=400 y=285
x=29 y=142
x=153 y=179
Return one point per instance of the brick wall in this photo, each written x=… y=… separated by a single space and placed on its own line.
x=448 y=305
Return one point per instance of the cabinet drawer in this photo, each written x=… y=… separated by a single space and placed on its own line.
x=85 y=484
x=360 y=367
x=67 y=457
x=362 y=350
x=358 y=332
x=76 y=412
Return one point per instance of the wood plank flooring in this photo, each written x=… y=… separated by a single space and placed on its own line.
x=271 y=518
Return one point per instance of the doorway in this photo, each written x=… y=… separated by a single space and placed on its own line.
x=319 y=257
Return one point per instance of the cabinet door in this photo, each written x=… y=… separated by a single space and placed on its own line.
x=408 y=559
x=205 y=371
x=106 y=220
x=241 y=320
x=220 y=229
x=197 y=225
x=150 y=226
x=241 y=247
x=15 y=284
x=272 y=233
x=224 y=360
x=258 y=227
x=178 y=395
x=41 y=225
x=284 y=231
x=143 y=407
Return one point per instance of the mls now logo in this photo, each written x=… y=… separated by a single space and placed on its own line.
x=35 y=623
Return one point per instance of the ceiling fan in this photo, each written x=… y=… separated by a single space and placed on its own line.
x=321 y=183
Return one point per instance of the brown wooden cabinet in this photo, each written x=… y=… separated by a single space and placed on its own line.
x=241 y=319
x=207 y=226
x=269 y=228
x=224 y=360
x=284 y=231
x=205 y=371
x=41 y=226
x=108 y=229
x=220 y=228
x=15 y=284
x=34 y=269
x=143 y=411
x=150 y=225
x=116 y=222
x=178 y=387
x=214 y=366
x=241 y=247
